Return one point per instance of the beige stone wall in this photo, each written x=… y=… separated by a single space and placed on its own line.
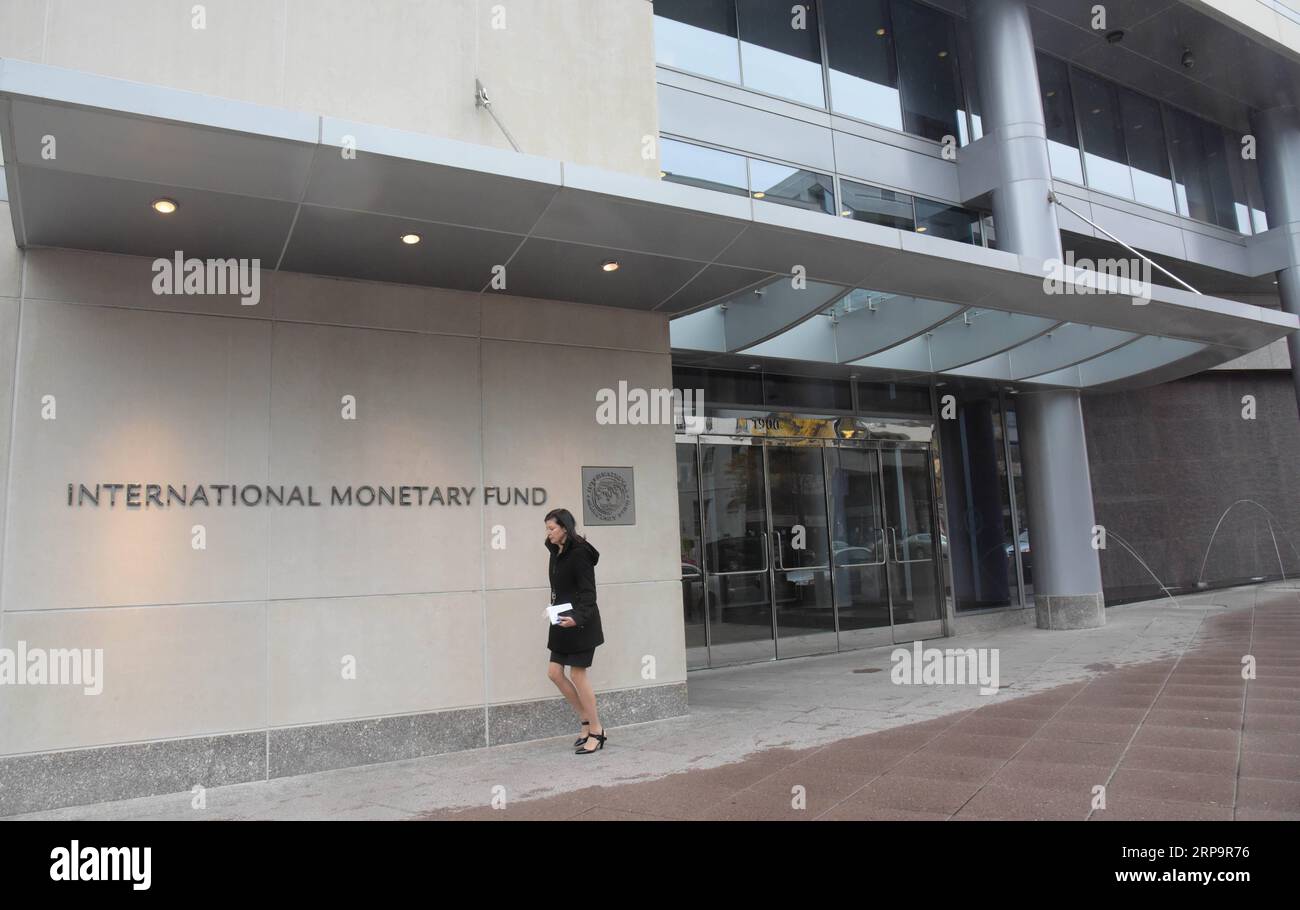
x=571 y=79
x=249 y=633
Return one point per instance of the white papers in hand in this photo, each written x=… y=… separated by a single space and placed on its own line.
x=553 y=612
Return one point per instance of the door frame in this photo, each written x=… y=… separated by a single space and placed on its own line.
x=859 y=433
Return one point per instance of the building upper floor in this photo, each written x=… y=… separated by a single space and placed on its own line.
x=866 y=105
x=578 y=200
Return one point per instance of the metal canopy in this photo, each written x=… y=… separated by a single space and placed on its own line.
x=317 y=194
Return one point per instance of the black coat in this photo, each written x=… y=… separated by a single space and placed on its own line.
x=573 y=580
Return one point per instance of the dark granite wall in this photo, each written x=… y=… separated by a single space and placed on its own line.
x=1167 y=461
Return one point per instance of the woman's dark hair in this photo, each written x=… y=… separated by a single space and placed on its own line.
x=564 y=518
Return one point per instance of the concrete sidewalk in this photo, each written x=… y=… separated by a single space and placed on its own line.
x=1152 y=707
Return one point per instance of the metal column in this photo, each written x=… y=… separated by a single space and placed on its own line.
x=1067 y=569
x=1279 y=164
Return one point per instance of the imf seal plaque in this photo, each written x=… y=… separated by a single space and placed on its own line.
x=608 y=496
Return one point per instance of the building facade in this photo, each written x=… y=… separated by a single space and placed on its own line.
x=310 y=311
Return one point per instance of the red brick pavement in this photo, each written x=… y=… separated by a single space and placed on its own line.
x=1180 y=739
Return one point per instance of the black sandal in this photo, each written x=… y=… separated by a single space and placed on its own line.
x=600 y=744
x=582 y=739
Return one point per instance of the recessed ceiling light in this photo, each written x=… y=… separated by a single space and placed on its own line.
x=942 y=54
x=880 y=32
x=847 y=213
x=1052 y=93
x=410 y=239
x=610 y=265
x=760 y=195
x=663 y=174
x=922 y=229
x=164 y=206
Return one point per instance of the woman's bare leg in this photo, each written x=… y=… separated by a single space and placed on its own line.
x=555 y=673
x=587 y=698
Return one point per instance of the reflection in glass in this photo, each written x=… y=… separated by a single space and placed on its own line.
x=804 y=601
x=698 y=36
x=792 y=186
x=926 y=47
x=909 y=536
x=892 y=397
x=721 y=386
x=1239 y=170
x=1022 y=518
x=860 y=56
x=980 y=529
x=969 y=76
x=780 y=49
x=877 y=206
x=690 y=531
x=951 y=222
x=736 y=552
x=1148 y=155
x=858 y=540
x=990 y=232
x=1258 y=207
x=799 y=393
x=1103 y=135
x=695 y=165
x=1209 y=182
x=1058 y=111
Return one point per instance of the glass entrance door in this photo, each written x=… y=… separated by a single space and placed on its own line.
x=805 y=547
x=858 y=547
x=737 y=551
x=913 y=548
x=801 y=571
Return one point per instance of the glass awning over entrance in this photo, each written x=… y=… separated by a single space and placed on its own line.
x=301 y=192
x=902 y=334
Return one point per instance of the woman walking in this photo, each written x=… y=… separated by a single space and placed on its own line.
x=573 y=640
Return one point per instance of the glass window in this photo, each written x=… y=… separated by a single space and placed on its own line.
x=1258 y=204
x=698 y=36
x=893 y=398
x=990 y=234
x=980 y=527
x=860 y=54
x=878 y=206
x=781 y=50
x=1103 y=135
x=970 y=78
x=1239 y=176
x=691 y=532
x=1209 y=179
x=721 y=387
x=695 y=165
x=951 y=222
x=1148 y=155
x=1017 y=473
x=796 y=392
x=1058 y=111
x=792 y=186
x=925 y=43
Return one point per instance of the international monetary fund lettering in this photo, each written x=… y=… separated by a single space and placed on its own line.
x=166 y=496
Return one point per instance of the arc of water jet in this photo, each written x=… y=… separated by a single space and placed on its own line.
x=1123 y=543
x=1200 y=576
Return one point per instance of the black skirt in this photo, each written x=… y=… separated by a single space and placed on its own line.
x=575 y=659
